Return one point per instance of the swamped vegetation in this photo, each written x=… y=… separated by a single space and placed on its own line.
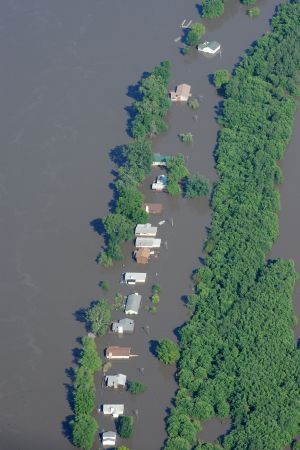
x=238 y=357
x=149 y=111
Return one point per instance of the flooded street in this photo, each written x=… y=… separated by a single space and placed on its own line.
x=66 y=68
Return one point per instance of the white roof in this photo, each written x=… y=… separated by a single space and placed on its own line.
x=114 y=380
x=145 y=229
x=133 y=303
x=109 y=438
x=131 y=276
x=113 y=409
x=147 y=242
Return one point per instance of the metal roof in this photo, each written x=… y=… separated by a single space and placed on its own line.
x=133 y=303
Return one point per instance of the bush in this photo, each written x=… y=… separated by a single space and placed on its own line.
x=248 y=2
x=135 y=387
x=125 y=426
x=186 y=138
x=155 y=299
x=105 y=260
x=167 y=351
x=196 y=186
x=212 y=9
x=195 y=33
x=253 y=12
x=193 y=103
x=104 y=285
x=220 y=78
x=156 y=289
x=118 y=301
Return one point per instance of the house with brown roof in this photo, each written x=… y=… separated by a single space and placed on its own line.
x=181 y=94
x=118 y=352
x=142 y=255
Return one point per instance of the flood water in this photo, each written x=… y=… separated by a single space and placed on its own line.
x=65 y=70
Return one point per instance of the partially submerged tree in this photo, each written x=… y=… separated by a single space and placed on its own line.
x=99 y=317
x=195 y=33
x=125 y=426
x=220 y=78
x=167 y=351
x=196 y=186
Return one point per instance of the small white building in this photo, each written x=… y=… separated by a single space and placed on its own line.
x=113 y=410
x=109 y=438
x=145 y=229
x=211 y=47
x=133 y=303
x=134 y=277
x=147 y=243
x=123 y=326
x=160 y=183
x=116 y=381
x=181 y=94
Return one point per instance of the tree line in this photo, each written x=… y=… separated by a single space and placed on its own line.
x=238 y=357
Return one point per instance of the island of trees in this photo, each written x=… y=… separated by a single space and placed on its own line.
x=238 y=356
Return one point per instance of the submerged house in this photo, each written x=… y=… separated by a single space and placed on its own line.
x=133 y=303
x=109 y=438
x=160 y=160
x=160 y=183
x=211 y=47
x=145 y=229
x=123 y=326
x=116 y=381
x=181 y=94
x=142 y=255
x=114 y=410
x=134 y=277
x=115 y=352
x=153 y=208
x=142 y=242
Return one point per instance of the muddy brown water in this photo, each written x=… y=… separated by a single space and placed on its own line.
x=65 y=70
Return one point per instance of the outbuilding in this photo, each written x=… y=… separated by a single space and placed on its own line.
x=116 y=381
x=115 y=352
x=160 y=160
x=134 y=277
x=123 y=326
x=142 y=255
x=153 y=208
x=181 y=94
x=211 y=47
x=114 y=410
x=147 y=242
x=133 y=303
x=160 y=183
x=109 y=438
x=145 y=229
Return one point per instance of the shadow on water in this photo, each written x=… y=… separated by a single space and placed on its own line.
x=66 y=424
x=153 y=347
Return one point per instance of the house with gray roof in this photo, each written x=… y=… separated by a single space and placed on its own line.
x=133 y=303
x=116 y=381
x=109 y=438
x=123 y=326
x=211 y=47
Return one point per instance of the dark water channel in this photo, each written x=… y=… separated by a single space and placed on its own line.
x=65 y=70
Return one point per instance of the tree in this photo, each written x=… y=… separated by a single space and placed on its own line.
x=177 y=171
x=99 y=317
x=104 y=285
x=118 y=227
x=212 y=8
x=253 y=12
x=125 y=426
x=196 y=185
x=89 y=358
x=135 y=387
x=220 y=78
x=84 y=430
x=195 y=33
x=186 y=138
x=138 y=153
x=167 y=351
x=156 y=289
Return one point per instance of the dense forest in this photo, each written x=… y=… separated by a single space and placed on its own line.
x=239 y=358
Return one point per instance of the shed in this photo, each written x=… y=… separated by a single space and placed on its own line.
x=211 y=47
x=160 y=160
x=133 y=303
x=114 y=410
x=115 y=352
x=153 y=208
x=181 y=94
x=109 y=438
x=134 y=277
x=145 y=229
x=142 y=255
x=147 y=242
x=116 y=381
x=123 y=326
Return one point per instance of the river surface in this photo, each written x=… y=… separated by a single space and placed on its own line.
x=65 y=71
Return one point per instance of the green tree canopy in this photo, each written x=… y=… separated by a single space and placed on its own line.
x=167 y=351
x=195 y=33
x=84 y=430
x=196 y=186
x=99 y=317
x=125 y=426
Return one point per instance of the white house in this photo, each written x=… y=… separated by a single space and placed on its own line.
x=145 y=229
x=114 y=410
x=147 y=243
x=134 y=277
x=109 y=438
x=160 y=183
x=116 y=381
x=211 y=47
x=133 y=303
